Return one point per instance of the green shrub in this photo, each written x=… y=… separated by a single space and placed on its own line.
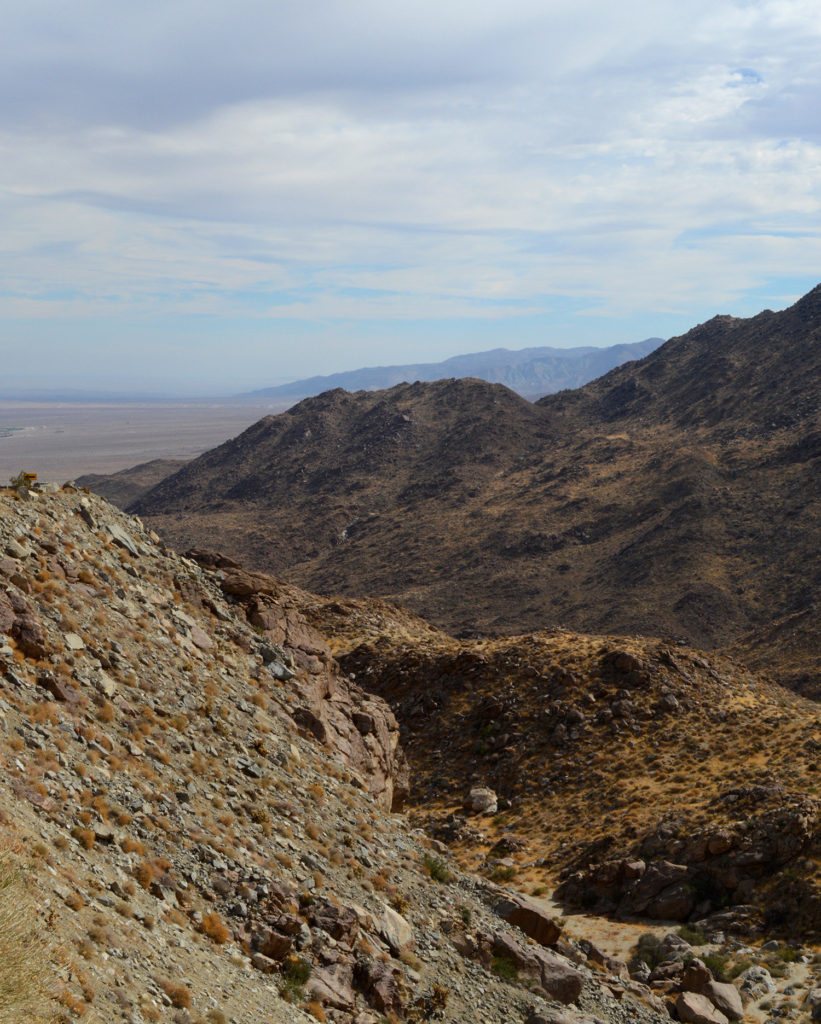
x=717 y=963
x=504 y=968
x=647 y=949
x=437 y=869
x=503 y=874
x=694 y=936
x=739 y=968
x=294 y=975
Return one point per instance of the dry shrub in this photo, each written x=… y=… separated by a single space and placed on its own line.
x=315 y=1010
x=84 y=836
x=106 y=712
x=179 y=994
x=130 y=845
x=144 y=874
x=214 y=927
x=75 y=901
x=24 y=954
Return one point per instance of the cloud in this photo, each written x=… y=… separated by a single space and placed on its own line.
x=380 y=163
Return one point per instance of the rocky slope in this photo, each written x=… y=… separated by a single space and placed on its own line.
x=201 y=801
x=128 y=485
x=675 y=497
x=647 y=778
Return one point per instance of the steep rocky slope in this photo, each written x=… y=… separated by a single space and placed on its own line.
x=647 y=778
x=676 y=497
x=201 y=800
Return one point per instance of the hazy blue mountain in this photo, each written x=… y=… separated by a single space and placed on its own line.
x=532 y=372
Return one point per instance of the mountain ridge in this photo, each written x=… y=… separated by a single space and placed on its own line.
x=531 y=371
x=675 y=496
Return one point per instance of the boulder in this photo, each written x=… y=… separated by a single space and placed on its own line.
x=272 y=944
x=341 y=923
x=725 y=998
x=332 y=985
x=377 y=981
x=696 y=976
x=122 y=539
x=561 y=981
x=395 y=930
x=757 y=981
x=697 y=1009
x=536 y=923
x=481 y=800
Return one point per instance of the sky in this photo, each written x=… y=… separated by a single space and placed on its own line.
x=206 y=197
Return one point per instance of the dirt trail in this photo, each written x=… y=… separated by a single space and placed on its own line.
x=616 y=938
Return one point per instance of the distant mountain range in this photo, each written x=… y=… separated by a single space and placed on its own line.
x=531 y=372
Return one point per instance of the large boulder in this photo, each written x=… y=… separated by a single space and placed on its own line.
x=697 y=1009
x=481 y=800
x=725 y=998
x=536 y=923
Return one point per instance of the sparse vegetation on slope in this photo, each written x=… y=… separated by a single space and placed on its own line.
x=675 y=497
x=205 y=801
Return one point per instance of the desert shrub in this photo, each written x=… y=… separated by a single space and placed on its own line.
x=294 y=975
x=694 y=936
x=717 y=963
x=179 y=994
x=647 y=949
x=504 y=968
x=215 y=928
x=739 y=968
x=503 y=873
x=24 y=962
x=144 y=874
x=84 y=836
x=436 y=868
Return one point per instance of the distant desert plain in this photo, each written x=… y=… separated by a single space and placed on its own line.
x=63 y=440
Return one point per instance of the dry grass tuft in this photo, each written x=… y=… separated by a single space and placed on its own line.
x=179 y=994
x=24 y=961
x=214 y=927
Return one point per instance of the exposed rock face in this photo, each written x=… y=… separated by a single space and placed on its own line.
x=719 y=866
x=359 y=728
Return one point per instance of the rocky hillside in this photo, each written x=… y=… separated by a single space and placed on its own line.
x=203 y=809
x=674 y=497
x=128 y=485
x=647 y=778
x=728 y=377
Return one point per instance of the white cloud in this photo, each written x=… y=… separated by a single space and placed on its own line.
x=365 y=161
